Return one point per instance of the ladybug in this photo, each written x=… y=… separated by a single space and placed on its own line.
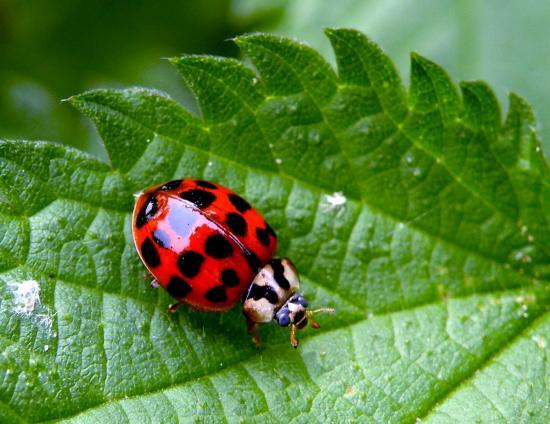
x=208 y=247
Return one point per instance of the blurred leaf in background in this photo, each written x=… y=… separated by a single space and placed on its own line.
x=52 y=50
x=502 y=42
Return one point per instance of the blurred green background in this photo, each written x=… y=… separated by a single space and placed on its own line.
x=50 y=50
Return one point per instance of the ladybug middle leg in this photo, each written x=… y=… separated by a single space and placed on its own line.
x=254 y=330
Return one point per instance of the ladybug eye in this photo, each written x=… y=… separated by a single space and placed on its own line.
x=282 y=317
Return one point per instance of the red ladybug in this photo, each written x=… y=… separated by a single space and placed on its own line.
x=207 y=247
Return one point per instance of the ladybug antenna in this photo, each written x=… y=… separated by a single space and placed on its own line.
x=295 y=313
x=303 y=322
x=314 y=323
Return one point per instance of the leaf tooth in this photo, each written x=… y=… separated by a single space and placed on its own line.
x=481 y=108
x=221 y=85
x=129 y=119
x=519 y=144
x=361 y=62
x=289 y=67
x=431 y=88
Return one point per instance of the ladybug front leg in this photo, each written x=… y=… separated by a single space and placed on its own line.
x=154 y=283
x=254 y=331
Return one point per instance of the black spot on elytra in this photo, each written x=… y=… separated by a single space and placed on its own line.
x=278 y=274
x=253 y=261
x=178 y=288
x=236 y=223
x=216 y=294
x=201 y=198
x=218 y=247
x=170 y=185
x=147 y=211
x=189 y=263
x=263 y=236
x=205 y=184
x=239 y=203
x=161 y=238
x=149 y=253
x=229 y=277
x=257 y=292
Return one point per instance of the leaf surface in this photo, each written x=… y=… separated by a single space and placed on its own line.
x=419 y=214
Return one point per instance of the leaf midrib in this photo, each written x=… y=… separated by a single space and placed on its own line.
x=312 y=281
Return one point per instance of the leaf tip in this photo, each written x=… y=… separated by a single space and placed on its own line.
x=248 y=38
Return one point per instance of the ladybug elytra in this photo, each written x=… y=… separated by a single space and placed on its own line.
x=208 y=247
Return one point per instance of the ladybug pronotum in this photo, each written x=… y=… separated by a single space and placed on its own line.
x=208 y=247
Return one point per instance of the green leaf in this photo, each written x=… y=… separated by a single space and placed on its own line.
x=471 y=39
x=419 y=215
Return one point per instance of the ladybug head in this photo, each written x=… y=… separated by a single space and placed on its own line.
x=294 y=312
x=273 y=296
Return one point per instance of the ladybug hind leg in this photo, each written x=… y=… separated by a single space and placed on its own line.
x=175 y=306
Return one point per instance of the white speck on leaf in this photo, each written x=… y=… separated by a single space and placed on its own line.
x=254 y=81
x=46 y=348
x=26 y=295
x=524 y=229
x=417 y=171
x=540 y=341
x=335 y=200
x=278 y=161
x=314 y=137
x=523 y=311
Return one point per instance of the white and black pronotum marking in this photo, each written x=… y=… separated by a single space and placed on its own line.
x=273 y=296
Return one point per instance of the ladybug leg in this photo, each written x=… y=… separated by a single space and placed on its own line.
x=154 y=283
x=293 y=339
x=174 y=306
x=254 y=330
